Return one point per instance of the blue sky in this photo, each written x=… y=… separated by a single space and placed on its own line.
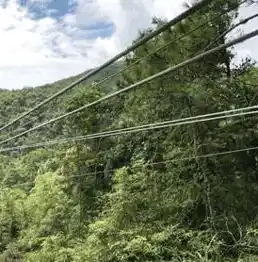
x=46 y=40
x=57 y=9
x=42 y=8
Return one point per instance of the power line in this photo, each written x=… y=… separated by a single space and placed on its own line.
x=142 y=41
x=241 y=22
x=187 y=120
x=152 y=164
x=142 y=128
x=140 y=83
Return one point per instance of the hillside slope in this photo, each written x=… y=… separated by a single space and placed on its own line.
x=15 y=102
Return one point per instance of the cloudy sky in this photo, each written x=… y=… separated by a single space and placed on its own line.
x=42 y=41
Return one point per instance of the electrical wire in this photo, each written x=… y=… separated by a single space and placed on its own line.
x=142 y=41
x=140 y=83
x=152 y=164
x=223 y=153
x=142 y=128
x=241 y=22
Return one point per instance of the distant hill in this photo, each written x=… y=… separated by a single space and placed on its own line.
x=15 y=102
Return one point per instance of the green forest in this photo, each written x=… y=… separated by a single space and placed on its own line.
x=146 y=196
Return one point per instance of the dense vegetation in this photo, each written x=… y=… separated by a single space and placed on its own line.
x=123 y=198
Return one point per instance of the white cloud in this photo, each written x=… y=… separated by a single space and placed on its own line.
x=35 y=52
x=41 y=51
x=128 y=16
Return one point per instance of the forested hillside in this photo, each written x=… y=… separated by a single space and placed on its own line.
x=160 y=195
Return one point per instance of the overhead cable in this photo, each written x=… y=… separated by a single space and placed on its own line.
x=241 y=22
x=153 y=164
x=142 y=41
x=141 y=128
x=140 y=83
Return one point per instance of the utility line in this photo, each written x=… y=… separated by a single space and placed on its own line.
x=106 y=79
x=241 y=22
x=140 y=83
x=178 y=160
x=142 y=128
x=153 y=164
x=181 y=121
x=142 y=41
